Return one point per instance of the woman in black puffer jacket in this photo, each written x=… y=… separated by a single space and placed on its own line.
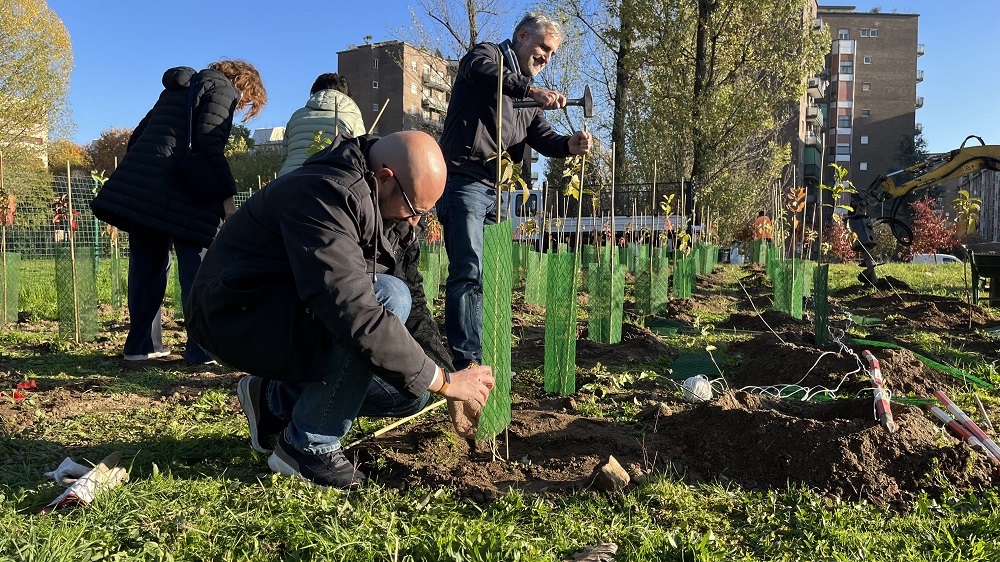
x=145 y=197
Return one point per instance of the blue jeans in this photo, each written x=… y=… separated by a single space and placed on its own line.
x=148 y=269
x=464 y=209
x=322 y=413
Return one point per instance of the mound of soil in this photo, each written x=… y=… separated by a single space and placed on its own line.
x=924 y=311
x=638 y=346
x=786 y=364
x=835 y=448
x=780 y=322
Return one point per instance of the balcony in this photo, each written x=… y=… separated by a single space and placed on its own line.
x=920 y=102
x=436 y=81
x=811 y=171
x=920 y=49
x=433 y=104
x=816 y=88
x=818 y=23
x=432 y=125
x=814 y=140
x=920 y=76
x=918 y=128
x=814 y=116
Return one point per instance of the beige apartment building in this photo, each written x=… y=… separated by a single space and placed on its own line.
x=413 y=85
x=872 y=98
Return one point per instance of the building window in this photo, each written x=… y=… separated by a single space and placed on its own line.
x=374 y=107
x=374 y=84
x=866 y=86
x=873 y=33
x=843 y=121
x=843 y=148
x=413 y=87
x=868 y=60
x=863 y=166
x=843 y=33
x=413 y=65
x=374 y=63
x=413 y=111
x=864 y=33
x=847 y=68
x=864 y=139
x=866 y=113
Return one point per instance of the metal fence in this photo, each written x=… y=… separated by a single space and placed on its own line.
x=42 y=225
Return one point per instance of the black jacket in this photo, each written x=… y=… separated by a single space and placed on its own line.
x=470 y=129
x=287 y=278
x=142 y=193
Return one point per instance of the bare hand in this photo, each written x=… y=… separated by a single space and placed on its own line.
x=229 y=205
x=473 y=383
x=548 y=99
x=465 y=416
x=580 y=142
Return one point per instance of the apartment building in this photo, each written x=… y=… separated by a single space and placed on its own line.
x=413 y=86
x=872 y=98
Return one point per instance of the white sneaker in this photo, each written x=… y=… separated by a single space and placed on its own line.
x=148 y=356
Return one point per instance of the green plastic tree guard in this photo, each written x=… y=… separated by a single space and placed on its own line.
x=496 y=339
x=560 y=325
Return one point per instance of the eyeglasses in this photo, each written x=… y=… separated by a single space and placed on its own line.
x=413 y=210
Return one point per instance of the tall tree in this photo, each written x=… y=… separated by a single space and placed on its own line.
x=63 y=152
x=109 y=148
x=453 y=27
x=35 y=64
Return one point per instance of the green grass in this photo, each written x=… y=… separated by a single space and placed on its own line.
x=198 y=492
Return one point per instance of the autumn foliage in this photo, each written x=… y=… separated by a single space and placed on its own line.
x=932 y=231
x=837 y=241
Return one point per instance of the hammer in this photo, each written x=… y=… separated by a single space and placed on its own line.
x=586 y=102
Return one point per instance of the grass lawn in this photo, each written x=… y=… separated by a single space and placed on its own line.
x=197 y=491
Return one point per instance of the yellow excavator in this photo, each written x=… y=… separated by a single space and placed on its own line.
x=933 y=171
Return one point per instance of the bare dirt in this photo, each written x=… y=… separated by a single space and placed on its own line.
x=836 y=448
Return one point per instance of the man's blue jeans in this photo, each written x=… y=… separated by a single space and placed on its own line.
x=321 y=413
x=464 y=209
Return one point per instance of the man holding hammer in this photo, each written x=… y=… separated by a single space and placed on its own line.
x=470 y=138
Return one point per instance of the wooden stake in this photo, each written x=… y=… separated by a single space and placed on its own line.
x=377 y=117
x=397 y=423
x=499 y=133
x=72 y=257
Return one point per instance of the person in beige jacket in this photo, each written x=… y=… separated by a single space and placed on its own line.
x=330 y=111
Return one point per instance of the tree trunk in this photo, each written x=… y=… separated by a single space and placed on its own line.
x=701 y=80
x=622 y=78
x=470 y=6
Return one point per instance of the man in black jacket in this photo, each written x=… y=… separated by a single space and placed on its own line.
x=469 y=139
x=300 y=290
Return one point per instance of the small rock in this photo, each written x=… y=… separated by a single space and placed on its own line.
x=636 y=473
x=604 y=552
x=610 y=476
x=654 y=411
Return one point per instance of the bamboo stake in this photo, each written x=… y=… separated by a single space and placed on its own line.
x=72 y=257
x=614 y=233
x=396 y=424
x=499 y=133
x=652 y=229
x=379 y=116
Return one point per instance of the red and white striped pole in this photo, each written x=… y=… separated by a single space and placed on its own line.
x=974 y=429
x=962 y=433
x=882 y=407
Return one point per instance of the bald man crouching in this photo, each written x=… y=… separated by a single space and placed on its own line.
x=312 y=288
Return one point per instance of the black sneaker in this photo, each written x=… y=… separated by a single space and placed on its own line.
x=264 y=425
x=329 y=469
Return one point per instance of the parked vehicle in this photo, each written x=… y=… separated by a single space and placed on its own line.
x=934 y=259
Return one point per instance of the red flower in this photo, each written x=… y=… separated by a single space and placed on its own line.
x=17 y=395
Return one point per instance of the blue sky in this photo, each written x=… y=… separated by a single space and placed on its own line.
x=122 y=47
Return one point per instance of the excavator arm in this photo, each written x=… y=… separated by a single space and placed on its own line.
x=933 y=171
